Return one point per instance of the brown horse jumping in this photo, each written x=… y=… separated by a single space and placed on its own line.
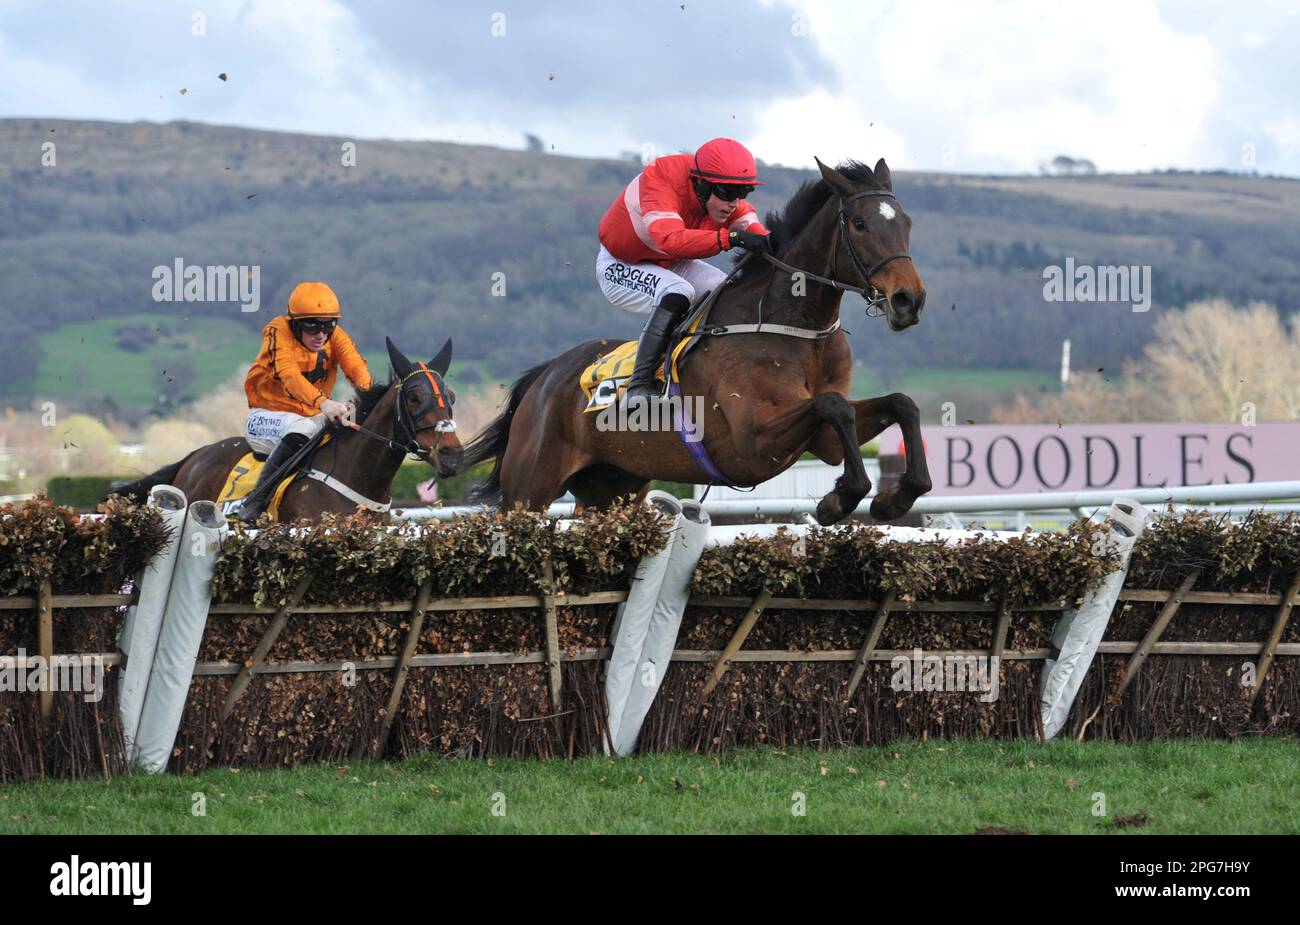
x=412 y=413
x=766 y=396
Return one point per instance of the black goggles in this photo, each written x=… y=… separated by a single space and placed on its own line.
x=730 y=192
x=317 y=327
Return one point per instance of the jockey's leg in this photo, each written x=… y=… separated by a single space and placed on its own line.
x=703 y=276
x=646 y=288
x=652 y=346
x=297 y=432
x=700 y=277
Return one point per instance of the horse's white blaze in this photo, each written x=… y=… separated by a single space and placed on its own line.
x=886 y=210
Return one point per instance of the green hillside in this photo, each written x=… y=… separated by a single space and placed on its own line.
x=141 y=359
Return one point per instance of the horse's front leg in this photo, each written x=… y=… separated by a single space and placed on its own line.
x=790 y=429
x=871 y=416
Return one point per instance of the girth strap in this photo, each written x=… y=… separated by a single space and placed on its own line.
x=353 y=496
x=717 y=330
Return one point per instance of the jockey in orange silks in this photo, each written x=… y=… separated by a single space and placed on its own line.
x=289 y=384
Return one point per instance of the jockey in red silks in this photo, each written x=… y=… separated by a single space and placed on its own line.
x=681 y=208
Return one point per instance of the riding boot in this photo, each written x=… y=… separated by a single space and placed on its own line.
x=650 y=348
x=256 y=501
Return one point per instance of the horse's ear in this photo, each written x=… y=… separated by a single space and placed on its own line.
x=882 y=175
x=838 y=182
x=401 y=365
x=440 y=363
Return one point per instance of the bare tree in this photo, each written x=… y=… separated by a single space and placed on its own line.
x=1206 y=363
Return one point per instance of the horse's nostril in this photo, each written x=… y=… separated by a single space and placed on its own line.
x=902 y=302
x=451 y=457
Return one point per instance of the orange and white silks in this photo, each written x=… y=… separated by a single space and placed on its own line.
x=286 y=376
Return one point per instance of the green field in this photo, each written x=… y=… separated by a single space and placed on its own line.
x=86 y=360
x=489 y=382
x=867 y=381
x=974 y=391
x=916 y=787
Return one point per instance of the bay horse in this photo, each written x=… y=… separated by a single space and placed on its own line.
x=767 y=396
x=411 y=413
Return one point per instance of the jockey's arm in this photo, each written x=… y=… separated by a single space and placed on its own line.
x=667 y=230
x=294 y=382
x=746 y=219
x=671 y=235
x=678 y=242
x=351 y=361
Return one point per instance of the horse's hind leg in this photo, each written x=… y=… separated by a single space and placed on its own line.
x=872 y=415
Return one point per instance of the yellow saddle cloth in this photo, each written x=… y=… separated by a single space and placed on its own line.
x=243 y=478
x=240 y=482
x=604 y=379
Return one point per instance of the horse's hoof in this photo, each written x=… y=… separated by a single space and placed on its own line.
x=888 y=505
x=829 y=510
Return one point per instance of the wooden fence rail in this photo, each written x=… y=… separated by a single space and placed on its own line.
x=45 y=602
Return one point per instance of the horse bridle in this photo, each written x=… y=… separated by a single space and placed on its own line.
x=407 y=431
x=876 y=297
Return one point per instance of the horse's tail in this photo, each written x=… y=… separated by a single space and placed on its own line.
x=491 y=442
x=138 y=491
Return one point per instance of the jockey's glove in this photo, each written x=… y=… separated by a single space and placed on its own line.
x=748 y=240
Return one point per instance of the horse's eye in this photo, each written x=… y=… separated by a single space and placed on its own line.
x=859 y=224
x=413 y=399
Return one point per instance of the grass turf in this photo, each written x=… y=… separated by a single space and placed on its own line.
x=960 y=787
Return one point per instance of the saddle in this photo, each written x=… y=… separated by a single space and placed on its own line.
x=607 y=376
x=242 y=479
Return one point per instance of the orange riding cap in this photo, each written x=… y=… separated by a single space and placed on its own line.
x=313 y=300
x=286 y=376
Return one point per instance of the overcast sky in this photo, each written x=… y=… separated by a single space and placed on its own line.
x=995 y=87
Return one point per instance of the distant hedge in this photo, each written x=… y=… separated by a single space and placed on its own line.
x=82 y=491
x=86 y=491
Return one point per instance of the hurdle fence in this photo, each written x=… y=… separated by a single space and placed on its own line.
x=46 y=601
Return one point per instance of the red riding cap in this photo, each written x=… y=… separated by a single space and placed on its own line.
x=724 y=160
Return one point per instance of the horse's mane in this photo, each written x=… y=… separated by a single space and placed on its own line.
x=368 y=398
x=806 y=202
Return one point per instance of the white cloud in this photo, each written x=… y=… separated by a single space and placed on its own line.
x=962 y=86
x=830 y=127
x=1005 y=87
